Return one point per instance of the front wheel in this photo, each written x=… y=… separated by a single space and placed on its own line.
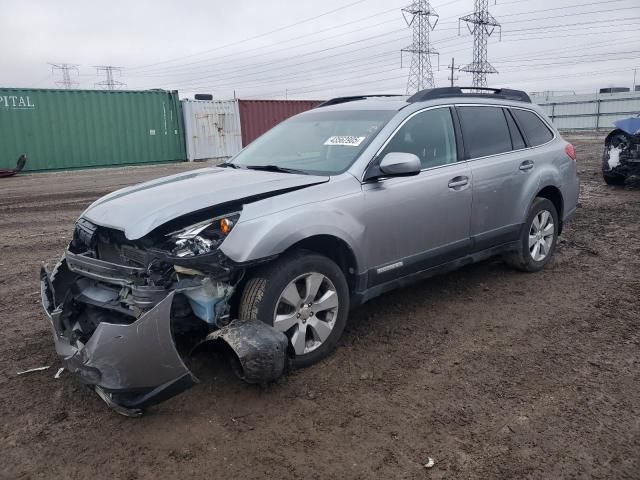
x=305 y=296
x=538 y=239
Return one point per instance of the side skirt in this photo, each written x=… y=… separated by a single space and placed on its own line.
x=358 y=298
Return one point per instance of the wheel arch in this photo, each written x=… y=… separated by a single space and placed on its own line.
x=335 y=249
x=554 y=195
x=612 y=134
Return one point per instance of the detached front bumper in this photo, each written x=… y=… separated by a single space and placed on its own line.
x=134 y=365
x=132 y=361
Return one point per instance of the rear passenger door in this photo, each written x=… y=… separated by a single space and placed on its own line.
x=492 y=144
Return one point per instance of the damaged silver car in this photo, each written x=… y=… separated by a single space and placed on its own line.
x=268 y=252
x=621 y=157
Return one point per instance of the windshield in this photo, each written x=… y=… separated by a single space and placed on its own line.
x=324 y=143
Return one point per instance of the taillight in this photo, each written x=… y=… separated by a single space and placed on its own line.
x=570 y=150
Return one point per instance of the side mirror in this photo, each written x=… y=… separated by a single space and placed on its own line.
x=400 y=164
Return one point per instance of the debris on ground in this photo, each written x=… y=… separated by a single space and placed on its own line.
x=430 y=463
x=22 y=160
x=37 y=369
x=59 y=372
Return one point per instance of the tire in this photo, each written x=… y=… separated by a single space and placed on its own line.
x=613 y=179
x=294 y=276
x=524 y=259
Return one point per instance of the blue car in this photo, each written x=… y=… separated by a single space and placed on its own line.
x=621 y=157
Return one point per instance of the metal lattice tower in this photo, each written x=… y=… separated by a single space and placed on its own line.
x=66 y=69
x=482 y=25
x=109 y=83
x=420 y=17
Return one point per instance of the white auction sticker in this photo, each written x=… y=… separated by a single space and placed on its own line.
x=346 y=140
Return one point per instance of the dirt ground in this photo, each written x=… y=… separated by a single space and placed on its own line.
x=490 y=372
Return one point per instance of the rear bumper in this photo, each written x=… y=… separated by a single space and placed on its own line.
x=134 y=365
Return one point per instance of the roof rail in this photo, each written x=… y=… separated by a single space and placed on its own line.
x=337 y=100
x=504 y=93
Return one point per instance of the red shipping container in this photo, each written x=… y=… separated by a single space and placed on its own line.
x=258 y=116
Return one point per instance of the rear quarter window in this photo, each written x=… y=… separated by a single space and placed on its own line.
x=533 y=127
x=485 y=130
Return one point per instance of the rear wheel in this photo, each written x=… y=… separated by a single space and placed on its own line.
x=303 y=295
x=539 y=236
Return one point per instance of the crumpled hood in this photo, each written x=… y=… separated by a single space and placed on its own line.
x=629 y=125
x=139 y=209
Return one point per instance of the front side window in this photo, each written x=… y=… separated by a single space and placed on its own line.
x=429 y=135
x=535 y=130
x=316 y=142
x=485 y=131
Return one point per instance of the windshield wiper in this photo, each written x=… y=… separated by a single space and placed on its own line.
x=228 y=164
x=274 y=168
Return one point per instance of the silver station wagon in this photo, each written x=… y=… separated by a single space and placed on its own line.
x=269 y=251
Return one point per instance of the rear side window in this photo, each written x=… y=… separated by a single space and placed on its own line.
x=485 y=131
x=534 y=129
x=516 y=136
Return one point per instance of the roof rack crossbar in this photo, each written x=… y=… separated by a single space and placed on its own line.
x=504 y=93
x=337 y=100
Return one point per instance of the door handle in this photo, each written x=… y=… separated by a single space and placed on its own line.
x=526 y=165
x=457 y=182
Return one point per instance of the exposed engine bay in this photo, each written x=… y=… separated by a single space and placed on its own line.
x=126 y=313
x=621 y=156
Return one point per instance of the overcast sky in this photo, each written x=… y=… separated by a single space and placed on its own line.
x=311 y=49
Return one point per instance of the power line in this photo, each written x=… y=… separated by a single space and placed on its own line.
x=308 y=74
x=287 y=75
x=238 y=72
x=566 y=7
x=324 y=71
x=254 y=37
x=555 y=57
x=610 y=21
x=207 y=67
x=555 y=50
x=529 y=79
x=276 y=64
x=188 y=66
x=565 y=63
x=376 y=71
x=66 y=69
x=270 y=63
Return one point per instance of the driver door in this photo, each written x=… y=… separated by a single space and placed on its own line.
x=418 y=222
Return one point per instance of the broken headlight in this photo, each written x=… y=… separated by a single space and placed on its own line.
x=202 y=237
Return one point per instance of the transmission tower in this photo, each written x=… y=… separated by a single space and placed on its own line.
x=422 y=18
x=482 y=25
x=66 y=69
x=109 y=83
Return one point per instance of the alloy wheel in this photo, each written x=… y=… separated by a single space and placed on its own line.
x=541 y=235
x=306 y=311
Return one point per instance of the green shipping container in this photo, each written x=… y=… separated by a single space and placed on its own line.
x=61 y=129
